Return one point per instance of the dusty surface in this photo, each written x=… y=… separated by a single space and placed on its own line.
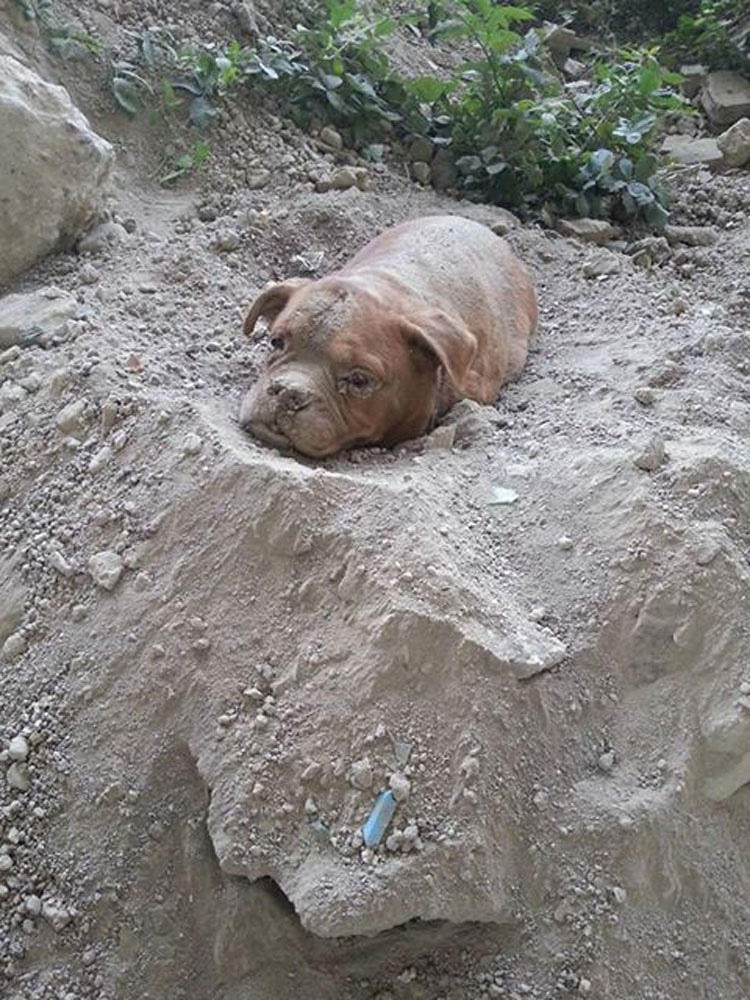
x=217 y=656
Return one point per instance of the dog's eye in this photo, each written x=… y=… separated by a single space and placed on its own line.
x=357 y=383
x=277 y=343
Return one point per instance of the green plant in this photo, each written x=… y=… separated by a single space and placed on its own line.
x=186 y=163
x=345 y=73
x=210 y=74
x=713 y=35
x=524 y=140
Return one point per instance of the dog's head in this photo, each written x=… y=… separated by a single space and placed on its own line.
x=346 y=370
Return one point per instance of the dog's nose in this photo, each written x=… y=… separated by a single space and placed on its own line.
x=290 y=397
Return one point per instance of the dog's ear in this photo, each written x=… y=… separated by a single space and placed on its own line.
x=270 y=303
x=449 y=341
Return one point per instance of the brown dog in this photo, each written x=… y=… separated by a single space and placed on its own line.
x=430 y=311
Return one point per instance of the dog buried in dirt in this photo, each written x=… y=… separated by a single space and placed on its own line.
x=431 y=311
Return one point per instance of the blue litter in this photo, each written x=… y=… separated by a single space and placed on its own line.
x=378 y=820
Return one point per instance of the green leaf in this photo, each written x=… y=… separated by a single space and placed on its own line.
x=640 y=193
x=201 y=153
x=496 y=168
x=201 y=112
x=127 y=95
x=645 y=167
x=429 y=88
x=337 y=102
x=384 y=27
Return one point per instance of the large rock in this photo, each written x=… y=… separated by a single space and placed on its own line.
x=25 y=317
x=49 y=153
x=726 y=97
x=735 y=143
x=687 y=150
x=588 y=230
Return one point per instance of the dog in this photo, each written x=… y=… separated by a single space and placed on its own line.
x=431 y=311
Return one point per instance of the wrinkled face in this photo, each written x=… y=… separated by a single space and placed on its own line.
x=342 y=371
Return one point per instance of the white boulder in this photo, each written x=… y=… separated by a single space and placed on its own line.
x=54 y=169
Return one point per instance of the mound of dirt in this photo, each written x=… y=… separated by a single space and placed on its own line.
x=215 y=657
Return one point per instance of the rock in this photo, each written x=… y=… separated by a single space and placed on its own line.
x=442 y=437
x=689 y=151
x=56 y=915
x=106 y=568
x=14 y=646
x=574 y=69
x=649 y=251
x=70 y=419
x=693 y=78
x=32 y=905
x=421 y=172
x=726 y=751
x=602 y=264
x=100 y=459
x=726 y=97
x=502 y=496
x=560 y=40
x=331 y=137
x=102 y=237
x=18 y=777
x=735 y=143
x=10 y=355
x=307 y=263
x=400 y=786
x=471 y=420
x=692 y=236
x=444 y=173
x=247 y=19
x=25 y=317
x=59 y=563
x=362 y=775
x=12 y=598
x=227 y=240
x=49 y=149
x=192 y=444
x=679 y=306
x=588 y=230
x=6 y=863
x=644 y=395
x=258 y=179
x=606 y=762
x=18 y=748
x=652 y=457
x=346 y=177
x=421 y=150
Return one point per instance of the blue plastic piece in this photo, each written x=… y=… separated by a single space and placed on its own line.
x=378 y=820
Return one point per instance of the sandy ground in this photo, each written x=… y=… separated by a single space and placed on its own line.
x=558 y=685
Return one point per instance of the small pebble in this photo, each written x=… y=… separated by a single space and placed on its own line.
x=192 y=444
x=18 y=777
x=18 y=748
x=652 y=457
x=400 y=786
x=106 y=569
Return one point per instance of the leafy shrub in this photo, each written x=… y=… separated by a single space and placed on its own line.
x=518 y=136
x=714 y=35
x=524 y=140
